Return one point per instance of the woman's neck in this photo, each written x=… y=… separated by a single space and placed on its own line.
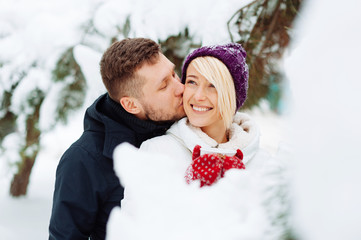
x=218 y=133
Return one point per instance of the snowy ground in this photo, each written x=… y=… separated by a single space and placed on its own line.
x=28 y=217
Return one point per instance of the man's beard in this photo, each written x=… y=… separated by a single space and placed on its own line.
x=160 y=116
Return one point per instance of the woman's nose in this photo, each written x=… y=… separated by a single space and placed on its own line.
x=200 y=94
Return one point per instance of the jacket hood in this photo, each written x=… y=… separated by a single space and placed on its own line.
x=244 y=134
x=109 y=118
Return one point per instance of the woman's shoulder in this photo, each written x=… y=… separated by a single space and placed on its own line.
x=170 y=143
x=157 y=142
x=167 y=137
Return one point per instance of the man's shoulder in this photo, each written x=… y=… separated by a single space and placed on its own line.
x=87 y=150
x=77 y=156
x=96 y=147
x=89 y=144
x=85 y=160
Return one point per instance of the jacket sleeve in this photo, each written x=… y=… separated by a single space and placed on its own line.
x=75 y=197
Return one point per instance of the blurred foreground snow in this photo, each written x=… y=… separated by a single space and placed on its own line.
x=324 y=70
x=159 y=204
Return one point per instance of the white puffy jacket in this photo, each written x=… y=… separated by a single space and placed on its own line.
x=182 y=137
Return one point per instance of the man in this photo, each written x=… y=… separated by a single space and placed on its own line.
x=144 y=97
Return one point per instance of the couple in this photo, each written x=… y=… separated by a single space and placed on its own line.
x=145 y=97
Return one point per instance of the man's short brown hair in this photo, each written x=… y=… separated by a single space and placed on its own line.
x=121 y=60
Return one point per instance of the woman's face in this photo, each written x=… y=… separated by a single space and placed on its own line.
x=200 y=100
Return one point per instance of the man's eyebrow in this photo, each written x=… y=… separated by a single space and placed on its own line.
x=166 y=77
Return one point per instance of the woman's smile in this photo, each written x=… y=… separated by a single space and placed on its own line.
x=200 y=108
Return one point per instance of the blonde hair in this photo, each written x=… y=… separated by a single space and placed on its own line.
x=216 y=72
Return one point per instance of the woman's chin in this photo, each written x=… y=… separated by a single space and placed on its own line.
x=196 y=123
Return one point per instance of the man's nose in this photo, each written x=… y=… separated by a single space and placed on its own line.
x=179 y=87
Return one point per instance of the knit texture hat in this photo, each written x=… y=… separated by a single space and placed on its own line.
x=234 y=57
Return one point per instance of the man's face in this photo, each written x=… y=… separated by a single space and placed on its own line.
x=162 y=92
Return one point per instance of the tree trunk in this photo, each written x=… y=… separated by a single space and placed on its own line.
x=28 y=154
x=20 y=182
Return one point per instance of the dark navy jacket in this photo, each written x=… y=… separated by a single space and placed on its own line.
x=86 y=187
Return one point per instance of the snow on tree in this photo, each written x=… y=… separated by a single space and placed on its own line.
x=32 y=42
x=264 y=28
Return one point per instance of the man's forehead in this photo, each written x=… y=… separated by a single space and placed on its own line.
x=164 y=60
x=157 y=72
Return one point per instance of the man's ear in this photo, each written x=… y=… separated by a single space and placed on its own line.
x=131 y=105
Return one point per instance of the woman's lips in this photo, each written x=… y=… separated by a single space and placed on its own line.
x=200 y=108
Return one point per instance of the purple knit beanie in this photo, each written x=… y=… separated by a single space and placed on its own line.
x=234 y=57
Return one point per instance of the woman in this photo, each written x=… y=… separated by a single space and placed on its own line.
x=216 y=83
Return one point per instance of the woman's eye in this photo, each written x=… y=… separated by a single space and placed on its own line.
x=211 y=85
x=191 y=82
